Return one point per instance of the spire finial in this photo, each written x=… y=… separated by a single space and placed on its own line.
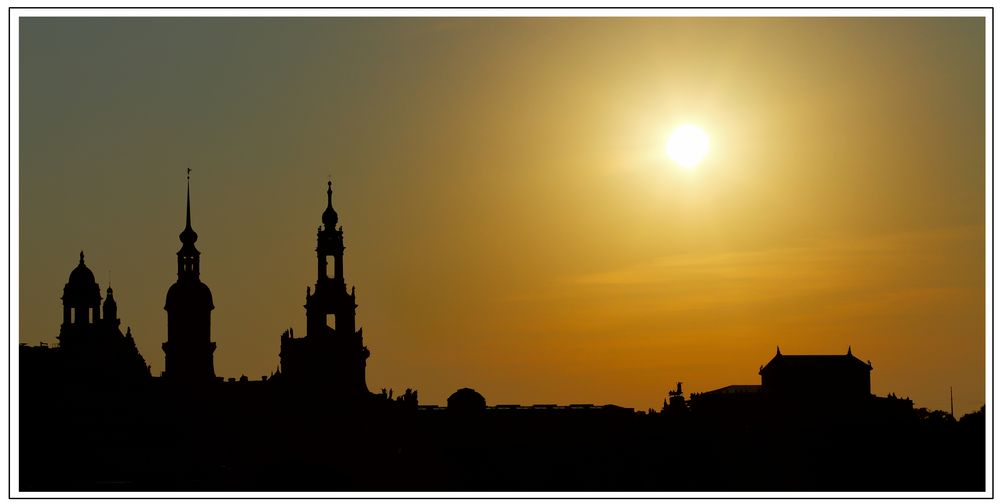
x=779 y=351
x=848 y=349
x=189 y=198
x=329 y=215
x=81 y=257
x=188 y=236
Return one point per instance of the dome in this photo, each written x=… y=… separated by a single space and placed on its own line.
x=189 y=294
x=466 y=399
x=109 y=302
x=81 y=287
x=81 y=275
x=329 y=215
x=188 y=236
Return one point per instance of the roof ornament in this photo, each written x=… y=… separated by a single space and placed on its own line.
x=329 y=215
x=848 y=349
x=188 y=235
x=81 y=257
x=779 y=352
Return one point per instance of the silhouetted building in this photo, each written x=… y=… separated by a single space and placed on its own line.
x=81 y=306
x=332 y=354
x=824 y=377
x=822 y=383
x=91 y=347
x=188 y=349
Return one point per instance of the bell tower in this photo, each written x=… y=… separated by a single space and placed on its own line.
x=330 y=306
x=332 y=353
x=188 y=350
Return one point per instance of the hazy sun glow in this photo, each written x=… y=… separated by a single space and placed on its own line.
x=687 y=145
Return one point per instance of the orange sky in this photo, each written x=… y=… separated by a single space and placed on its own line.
x=512 y=221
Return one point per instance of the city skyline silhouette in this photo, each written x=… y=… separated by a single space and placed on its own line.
x=88 y=410
x=513 y=224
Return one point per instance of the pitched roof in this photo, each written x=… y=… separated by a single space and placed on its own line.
x=815 y=361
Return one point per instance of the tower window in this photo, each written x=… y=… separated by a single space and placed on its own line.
x=331 y=320
x=329 y=266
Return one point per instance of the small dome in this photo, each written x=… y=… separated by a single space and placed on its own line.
x=110 y=305
x=189 y=294
x=329 y=215
x=81 y=275
x=81 y=287
x=466 y=399
x=188 y=236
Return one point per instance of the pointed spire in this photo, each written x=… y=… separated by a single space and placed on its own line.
x=848 y=349
x=81 y=257
x=189 y=199
x=779 y=352
x=188 y=236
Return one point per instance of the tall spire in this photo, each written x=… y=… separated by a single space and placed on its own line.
x=189 y=199
x=188 y=236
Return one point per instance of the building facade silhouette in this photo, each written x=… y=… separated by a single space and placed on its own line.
x=188 y=351
x=831 y=377
x=92 y=346
x=332 y=354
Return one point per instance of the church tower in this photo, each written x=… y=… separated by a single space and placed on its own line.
x=332 y=353
x=93 y=346
x=188 y=349
x=81 y=306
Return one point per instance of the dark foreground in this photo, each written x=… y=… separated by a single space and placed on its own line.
x=258 y=436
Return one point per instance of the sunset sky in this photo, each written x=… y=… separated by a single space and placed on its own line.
x=512 y=220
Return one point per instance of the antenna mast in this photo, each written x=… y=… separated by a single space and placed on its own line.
x=951 y=397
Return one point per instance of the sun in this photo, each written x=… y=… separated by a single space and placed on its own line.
x=687 y=145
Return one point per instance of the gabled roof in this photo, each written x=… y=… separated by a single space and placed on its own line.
x=815 y=361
